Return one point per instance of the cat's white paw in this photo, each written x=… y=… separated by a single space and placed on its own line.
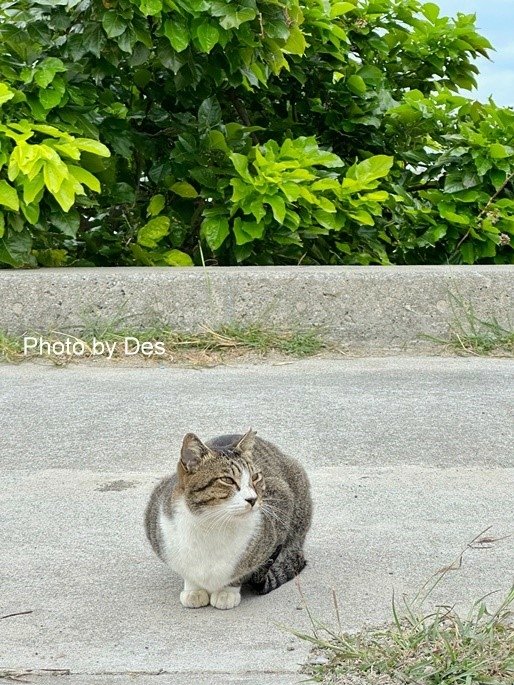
x=228 y=598
x=194 y=599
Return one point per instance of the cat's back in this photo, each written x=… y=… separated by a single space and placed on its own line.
x=160 y=502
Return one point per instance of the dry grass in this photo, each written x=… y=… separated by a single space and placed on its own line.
x=437 y=647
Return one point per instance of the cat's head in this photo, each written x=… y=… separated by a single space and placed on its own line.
x=220 y=479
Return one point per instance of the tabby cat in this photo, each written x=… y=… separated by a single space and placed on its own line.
x=236 y=511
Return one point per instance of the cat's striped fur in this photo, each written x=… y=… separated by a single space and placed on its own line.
x=246 y=503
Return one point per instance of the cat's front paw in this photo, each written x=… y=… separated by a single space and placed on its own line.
x=194 y=599
x=228 y=598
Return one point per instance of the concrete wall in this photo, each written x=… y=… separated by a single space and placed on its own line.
x=361 y=307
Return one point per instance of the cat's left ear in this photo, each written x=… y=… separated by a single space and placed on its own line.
x=192 y=452
x=246 y=444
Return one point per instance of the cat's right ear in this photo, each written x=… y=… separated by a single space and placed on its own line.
x=192 y=452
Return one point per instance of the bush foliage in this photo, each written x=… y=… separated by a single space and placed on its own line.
x=178 y=132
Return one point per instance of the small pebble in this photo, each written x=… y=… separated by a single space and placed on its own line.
x=319 y=660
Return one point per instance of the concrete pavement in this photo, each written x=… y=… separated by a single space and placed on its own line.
x=409 y=459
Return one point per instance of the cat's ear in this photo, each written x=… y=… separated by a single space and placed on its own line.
x=192 y=452
x=245 y=445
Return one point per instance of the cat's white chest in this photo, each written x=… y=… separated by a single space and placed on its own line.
x=203 y=553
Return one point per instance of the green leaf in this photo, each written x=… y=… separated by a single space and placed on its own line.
x=46 y=71
x=215 y=230
x=65 y=196
x=9 y=196
x=296 y=43
x=92 y=146
x=177 y=34
x=114 y=24
x=431 y=11
x=447 y=211
x=207 y=36
x=247 y=231
x=85 y=177
x=340 y=8
x=32 y=188
x=209 y=113
x=156 y=205
x=230 y=17
x=456 y=181
x=240 y=163
x=5 y=93
x=362 y=217
x=67 y=223
x=326 y=184
x=217 y=141
x=176 y=258
x=498 y=178
x=51 y=258
x=278 y=207
x=433 y=235
x=153 y=231
x=371 y=169
x=30 y=212
x=377 y=196
x=468 y=253
x=498 y=151
x=2 y=224
x=328 y=220
x=15 y=249
x=50 y=97
x=54 y=175
x=356 y=84
x=150 y=7
x=184 y=189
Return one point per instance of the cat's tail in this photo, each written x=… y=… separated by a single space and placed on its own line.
x=287 y=565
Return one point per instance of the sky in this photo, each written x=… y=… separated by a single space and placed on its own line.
x=495 y=21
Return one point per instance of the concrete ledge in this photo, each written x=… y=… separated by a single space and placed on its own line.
x=370 y=308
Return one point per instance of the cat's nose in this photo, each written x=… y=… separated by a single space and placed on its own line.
x=251 y=500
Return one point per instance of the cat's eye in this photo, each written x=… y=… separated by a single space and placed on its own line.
x=257 y=477
x=227 y=480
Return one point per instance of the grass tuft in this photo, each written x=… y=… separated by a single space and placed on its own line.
x=469 y=334
x=419 y=647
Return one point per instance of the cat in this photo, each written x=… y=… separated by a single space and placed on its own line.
x=236 y=511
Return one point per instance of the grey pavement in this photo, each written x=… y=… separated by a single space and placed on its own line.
x=409 y=459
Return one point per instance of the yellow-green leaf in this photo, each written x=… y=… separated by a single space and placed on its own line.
x=341 y=8
x=153 y=231
x=356 y=84
x=9 y=196
x=176 y=258
x=296 y=43
x=54 y=175
x=32 y=188
x=184 y=189
x=85 y=177
x=65 y=196
x=92 y=146
x=5 y=93
x=156 y=205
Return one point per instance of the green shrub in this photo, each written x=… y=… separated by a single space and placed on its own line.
x=248 y=132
